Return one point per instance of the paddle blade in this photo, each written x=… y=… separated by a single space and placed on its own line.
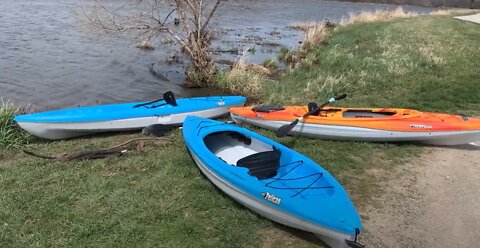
x=158 y=130
x=313 y=108
x=170 y=98
x=340 y=97
x=354 y=244
x=285 y=129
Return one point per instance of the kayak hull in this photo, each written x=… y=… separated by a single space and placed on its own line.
x=332 y=238
x=55 y=130
x=69 y=123
x=337 y=132
x=328 y=213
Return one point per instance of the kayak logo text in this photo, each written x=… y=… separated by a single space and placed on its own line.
x=420 y=126
x=271 y=198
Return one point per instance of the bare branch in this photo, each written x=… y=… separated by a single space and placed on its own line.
x=152 y=20
x=166 y=18
x=212 y=12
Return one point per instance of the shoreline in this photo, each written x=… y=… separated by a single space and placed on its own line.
x=158 y=195
x=468 y=4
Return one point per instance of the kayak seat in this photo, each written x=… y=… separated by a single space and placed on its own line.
x=267 y=108
x=262 y=165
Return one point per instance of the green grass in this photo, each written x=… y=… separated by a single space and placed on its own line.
x=158 y=197
x=153 y=198
x=270 y=63
x=11 y=136
x=428 y=63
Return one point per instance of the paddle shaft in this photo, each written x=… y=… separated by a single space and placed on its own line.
x=285 y=129
x=147 y=103
x=167 y=96
x=331 y=100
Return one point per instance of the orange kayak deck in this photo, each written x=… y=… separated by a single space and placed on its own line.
x=391 y=119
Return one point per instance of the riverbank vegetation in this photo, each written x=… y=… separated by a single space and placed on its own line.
x=383 y=59
x=151 y=19
x=158 y=197
x=11 y=136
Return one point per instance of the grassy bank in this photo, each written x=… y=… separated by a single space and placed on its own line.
x=158 y=198
x=11 y=136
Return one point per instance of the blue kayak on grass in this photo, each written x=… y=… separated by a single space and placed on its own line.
x=67 y=123
x=273 y=180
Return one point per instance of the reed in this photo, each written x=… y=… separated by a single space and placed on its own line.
x=11 y=136
x=244 y=78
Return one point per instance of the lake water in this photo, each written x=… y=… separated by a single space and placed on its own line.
x=51 y=58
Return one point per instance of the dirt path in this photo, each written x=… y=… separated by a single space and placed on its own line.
x=431 y=202
x=471 y=18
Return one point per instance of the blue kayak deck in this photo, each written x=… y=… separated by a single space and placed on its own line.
x=127 y=110
x=301 y=187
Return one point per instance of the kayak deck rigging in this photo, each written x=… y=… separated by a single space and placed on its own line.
x=318 y=175
x=233 y=147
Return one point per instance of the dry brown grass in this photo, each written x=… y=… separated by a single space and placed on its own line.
x=146 y=45
x=243 y=83
x=314 y=35
x=441 y=12
x=244 y=78
x=379 y=15
x=242 y=66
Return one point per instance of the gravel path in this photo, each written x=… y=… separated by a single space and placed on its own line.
x=432 y=202
x=471 y=18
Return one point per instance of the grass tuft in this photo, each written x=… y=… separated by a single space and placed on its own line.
x=288 y=56
x=442 y=12
x=314 y=35
x=244 y=78
x=376 y=16
x=11 y=136
x=270 y=64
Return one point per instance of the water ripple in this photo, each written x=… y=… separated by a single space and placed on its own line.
x=52 y=60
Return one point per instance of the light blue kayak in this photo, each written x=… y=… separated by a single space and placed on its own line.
x=67 y=123
x=273 y=180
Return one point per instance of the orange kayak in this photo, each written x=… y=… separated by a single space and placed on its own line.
x=366 y=124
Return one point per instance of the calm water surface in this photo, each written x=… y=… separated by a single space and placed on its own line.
x=50 y=58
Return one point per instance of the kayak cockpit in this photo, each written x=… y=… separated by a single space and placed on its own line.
x=358 y=113
x=236 y=149
x=364 y=113
x=265 y=162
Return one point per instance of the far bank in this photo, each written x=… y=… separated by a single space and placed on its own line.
x=469 y=4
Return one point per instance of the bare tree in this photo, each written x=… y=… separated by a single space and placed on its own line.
x=152 y=18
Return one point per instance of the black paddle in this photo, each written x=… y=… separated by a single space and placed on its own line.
x=167 y=96
x=158 y=130
x=312 y=106
x=285 y=129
